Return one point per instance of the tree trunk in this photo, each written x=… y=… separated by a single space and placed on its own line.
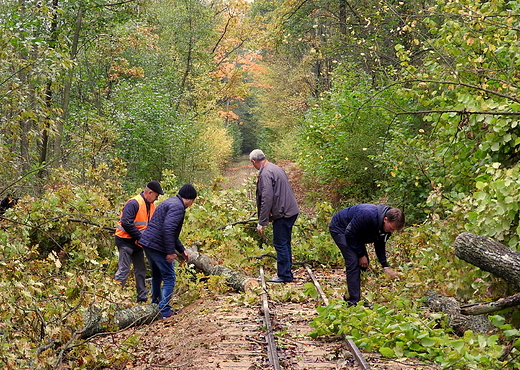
x=98 y=322
x=237 y=280
x=490 y=256
x=66 y=90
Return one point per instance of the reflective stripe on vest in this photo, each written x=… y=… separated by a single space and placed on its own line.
x=141 y=218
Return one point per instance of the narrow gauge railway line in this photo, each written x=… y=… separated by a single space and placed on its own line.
x=316 y=359
x=229 y=332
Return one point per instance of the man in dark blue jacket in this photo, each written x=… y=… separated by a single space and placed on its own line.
x=354 y=227
x=161 y=244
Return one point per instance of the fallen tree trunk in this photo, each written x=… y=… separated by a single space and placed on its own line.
x=459 y=322
x=209 y=266
x=490 y=256
x=97 y=321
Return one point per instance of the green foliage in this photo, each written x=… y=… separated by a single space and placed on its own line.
x=400 y=326
x=340 y=134
x=54 y=268
x=39 y=55
x=464 y=87
x=395 y=333
x=496 y=204
x=154 y=138
x=406 y=180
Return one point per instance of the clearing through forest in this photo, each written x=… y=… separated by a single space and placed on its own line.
x=226 y=331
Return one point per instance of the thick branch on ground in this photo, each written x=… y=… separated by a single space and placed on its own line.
x=206 y=264
x=459 y=322
x=490 y=256
x=86 y=222
x=97 y=321
x=488 y=307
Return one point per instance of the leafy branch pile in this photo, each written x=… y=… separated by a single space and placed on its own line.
x=398 y=333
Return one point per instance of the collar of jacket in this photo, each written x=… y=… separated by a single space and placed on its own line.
x=262 y=168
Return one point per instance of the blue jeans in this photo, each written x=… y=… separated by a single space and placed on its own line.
x=282 y=230
x=162 y=272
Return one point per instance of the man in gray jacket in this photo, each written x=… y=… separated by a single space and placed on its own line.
x=275 y=202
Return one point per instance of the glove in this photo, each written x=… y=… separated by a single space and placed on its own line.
x=260 y=228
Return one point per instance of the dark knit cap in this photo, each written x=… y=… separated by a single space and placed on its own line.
x=188 y=191
x=155 y=186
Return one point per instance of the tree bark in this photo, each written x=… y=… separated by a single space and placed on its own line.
x=237 y=280
x=459 y=322
x=490 y=256
x=97 y=321
x=66 y=89
x=488 y=307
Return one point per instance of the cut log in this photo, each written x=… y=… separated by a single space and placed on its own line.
x=459 y=322
x=209 y=266
x=97 y=321
x=490 y=256
x=488 y=307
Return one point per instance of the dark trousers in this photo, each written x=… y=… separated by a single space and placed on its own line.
x=130 y=253
x=282 y=231
x=353 y=270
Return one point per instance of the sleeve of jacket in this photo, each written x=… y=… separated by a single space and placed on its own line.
x=127 y=219
x=265 y=188
x=172 y=229
x=355 y=231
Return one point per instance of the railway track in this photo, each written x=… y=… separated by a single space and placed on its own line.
x=237 y=332
x=272 y=348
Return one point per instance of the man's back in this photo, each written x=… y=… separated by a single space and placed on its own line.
x=275 y=193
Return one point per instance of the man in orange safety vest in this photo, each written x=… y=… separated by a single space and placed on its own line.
x=134 y=219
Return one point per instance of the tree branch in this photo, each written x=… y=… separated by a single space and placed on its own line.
x=468 y=85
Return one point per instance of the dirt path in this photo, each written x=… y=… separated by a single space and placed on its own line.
x=237 y=173
x=241 y=169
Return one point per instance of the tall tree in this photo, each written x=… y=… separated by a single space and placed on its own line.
x=464 y=85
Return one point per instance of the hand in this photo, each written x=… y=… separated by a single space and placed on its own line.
x=392 y=273
x=363 y=261
x=171 y=257
x=185 y=254
x=260 y=228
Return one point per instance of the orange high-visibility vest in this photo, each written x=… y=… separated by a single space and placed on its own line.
x=141 y=218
